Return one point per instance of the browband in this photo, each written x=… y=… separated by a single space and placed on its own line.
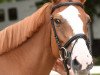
x=66 y=4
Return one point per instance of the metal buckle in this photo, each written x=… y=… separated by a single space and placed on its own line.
x=64 y=53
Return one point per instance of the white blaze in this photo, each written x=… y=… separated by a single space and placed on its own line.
x=71 y=14
x=81 y=53
x=80 y=50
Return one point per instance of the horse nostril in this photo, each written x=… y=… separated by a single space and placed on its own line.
x=89 y=66
x=76 y=65
x=87 y=56
x=75 y=62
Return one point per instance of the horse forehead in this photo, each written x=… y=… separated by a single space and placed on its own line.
x=71 y=14
x=70 y=9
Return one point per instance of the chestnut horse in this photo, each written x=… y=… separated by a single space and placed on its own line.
x=29 y=47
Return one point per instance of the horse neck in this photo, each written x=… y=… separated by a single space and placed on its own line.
x=16 y=34
x=37 y=51
x=34 y=55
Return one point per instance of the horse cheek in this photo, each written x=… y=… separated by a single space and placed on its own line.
x=54 y=47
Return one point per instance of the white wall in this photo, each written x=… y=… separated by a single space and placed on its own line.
x=24 y=8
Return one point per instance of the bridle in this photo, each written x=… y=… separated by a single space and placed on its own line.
x=66 y=4
x=65 y=54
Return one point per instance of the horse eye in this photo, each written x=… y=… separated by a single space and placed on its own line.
x=57 y=21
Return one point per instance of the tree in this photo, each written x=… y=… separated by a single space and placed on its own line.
x=1 y=1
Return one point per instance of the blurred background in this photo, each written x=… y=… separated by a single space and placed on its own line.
x=12 y=11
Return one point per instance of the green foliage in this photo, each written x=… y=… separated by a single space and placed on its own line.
x=39 y=4
x=91 y=6
x=97 y=61
x=1 y=1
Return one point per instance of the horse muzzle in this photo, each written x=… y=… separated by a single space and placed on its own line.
x=78 y=66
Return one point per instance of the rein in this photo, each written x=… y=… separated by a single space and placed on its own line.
x=65 y=54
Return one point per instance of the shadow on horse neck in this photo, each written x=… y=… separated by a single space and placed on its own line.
x=25 y=47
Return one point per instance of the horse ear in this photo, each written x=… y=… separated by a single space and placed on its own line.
x=83 y=1
x=54 y=1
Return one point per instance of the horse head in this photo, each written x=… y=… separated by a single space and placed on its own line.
x=70 y=29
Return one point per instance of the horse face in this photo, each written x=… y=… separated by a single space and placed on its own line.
x=70 y=21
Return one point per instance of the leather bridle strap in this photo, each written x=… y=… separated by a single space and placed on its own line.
x=78 y=36
x=55 y=34
x=66 y=4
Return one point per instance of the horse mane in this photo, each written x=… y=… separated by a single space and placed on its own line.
x=16 y=34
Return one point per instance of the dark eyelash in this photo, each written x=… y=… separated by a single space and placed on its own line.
x=57 y=21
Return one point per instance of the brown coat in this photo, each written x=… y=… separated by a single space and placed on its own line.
x=25 y=47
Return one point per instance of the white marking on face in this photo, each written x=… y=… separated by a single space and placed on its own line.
x=81 y=53
x=80 y=50
x=71 y=14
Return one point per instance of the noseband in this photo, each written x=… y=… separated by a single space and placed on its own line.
x=65 y=54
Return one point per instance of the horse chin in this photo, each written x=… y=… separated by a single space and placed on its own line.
x=82 y=72
x=79 y=72
x=77 y=68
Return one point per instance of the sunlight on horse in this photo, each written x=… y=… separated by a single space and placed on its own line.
x=29 y=47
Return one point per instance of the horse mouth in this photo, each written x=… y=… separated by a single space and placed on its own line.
x=82 y=72
x=78 y=67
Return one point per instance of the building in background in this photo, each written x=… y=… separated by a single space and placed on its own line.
x=12 y=11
